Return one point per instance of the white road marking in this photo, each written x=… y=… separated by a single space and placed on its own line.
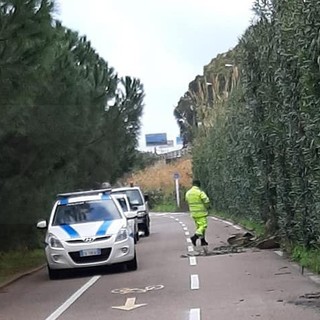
x=189 y=240
x=177 y=219
x=194 y=282
x=185 y=228
x=193 y=261
x=279 y=253
x=56 y=314
x=187 y=233
x=190 y=248
x=227 y=222
x=194 y=314
x=130 y=305
x=180 y=222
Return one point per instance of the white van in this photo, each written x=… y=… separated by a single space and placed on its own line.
x=127 y=210
x=140 y=201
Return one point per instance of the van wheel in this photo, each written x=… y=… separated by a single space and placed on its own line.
x=146 y=227
x=146 y=230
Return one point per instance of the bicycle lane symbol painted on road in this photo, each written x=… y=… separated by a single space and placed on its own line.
x=138 y=290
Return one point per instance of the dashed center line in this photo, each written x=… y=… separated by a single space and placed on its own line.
x=187 y=233
x=194 y=282
x=193 y=261
x=194 y=314
x=190 y=248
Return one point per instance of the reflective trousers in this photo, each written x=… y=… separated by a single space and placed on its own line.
x=201 y=225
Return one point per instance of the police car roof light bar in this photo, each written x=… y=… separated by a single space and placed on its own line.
x=83 y=193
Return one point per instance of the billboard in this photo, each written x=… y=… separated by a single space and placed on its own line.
x=156 y=139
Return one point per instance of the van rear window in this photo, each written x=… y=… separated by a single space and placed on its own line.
x=134 y=196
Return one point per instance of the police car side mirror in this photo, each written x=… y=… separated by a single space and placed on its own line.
x=42 y=224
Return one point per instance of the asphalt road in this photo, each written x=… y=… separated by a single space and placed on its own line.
x=171 y=285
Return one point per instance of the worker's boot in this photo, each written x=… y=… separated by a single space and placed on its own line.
x=194 y=239
x=204 y=242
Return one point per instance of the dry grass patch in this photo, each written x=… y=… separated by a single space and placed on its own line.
x=160 y=176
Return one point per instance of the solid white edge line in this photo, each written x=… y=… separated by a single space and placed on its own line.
x=56 y=314
x=194 y=282
x=193 y=261
x=227 y=222
x=194 y=314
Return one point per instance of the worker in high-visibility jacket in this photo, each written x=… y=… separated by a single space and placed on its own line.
x=198 y=203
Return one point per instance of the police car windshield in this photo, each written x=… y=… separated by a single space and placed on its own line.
x=82 y=212
x=134 y=196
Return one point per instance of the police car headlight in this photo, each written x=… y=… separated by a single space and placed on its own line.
x=122 y=235
x=54 y=242
x=140 y=214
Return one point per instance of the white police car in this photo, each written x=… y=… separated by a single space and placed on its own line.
x=87 y=229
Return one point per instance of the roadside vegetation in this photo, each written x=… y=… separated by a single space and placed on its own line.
x=14 y=263
x=255 y=128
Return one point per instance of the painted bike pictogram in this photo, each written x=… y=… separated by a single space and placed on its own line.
x=137 y=290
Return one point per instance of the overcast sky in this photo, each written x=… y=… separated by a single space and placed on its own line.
x=164 y=43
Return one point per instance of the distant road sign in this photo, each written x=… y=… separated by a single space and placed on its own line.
x=176 y=176
x=179 y=140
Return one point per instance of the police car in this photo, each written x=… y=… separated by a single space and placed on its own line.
x=88 y=229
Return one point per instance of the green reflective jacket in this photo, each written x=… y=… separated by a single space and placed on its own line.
x=198 y=202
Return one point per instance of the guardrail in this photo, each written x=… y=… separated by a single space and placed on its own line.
x=175 y=154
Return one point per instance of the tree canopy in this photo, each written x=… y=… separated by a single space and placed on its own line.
x=67 y=121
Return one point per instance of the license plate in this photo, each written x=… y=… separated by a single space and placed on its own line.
x=90 y=252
